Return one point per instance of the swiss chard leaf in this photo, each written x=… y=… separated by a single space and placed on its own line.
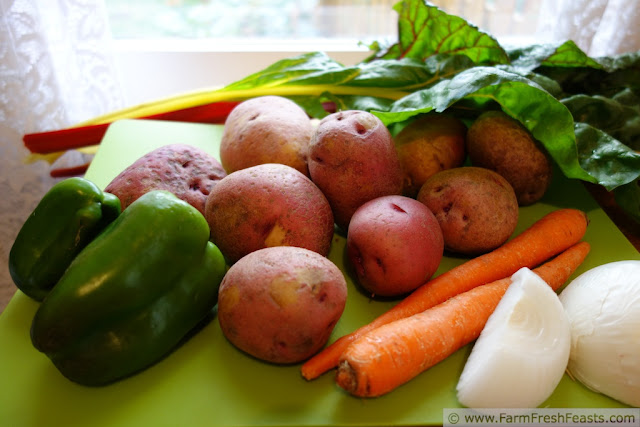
x=620 y=120
x=628 y=198
x=321 y=105
x=425 y=30
x=410 y=74
x=570 y=55
x=616 y=74
x=607 y=159
x=567 y=54
x=445 y=93
x=305 y=69
x=549 y=121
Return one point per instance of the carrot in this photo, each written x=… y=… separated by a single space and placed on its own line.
x=392 y=354
x=550 y=235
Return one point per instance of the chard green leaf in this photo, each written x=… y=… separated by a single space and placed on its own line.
x=549 y=121
x=405 y=74
x=621 y=121
x=425 y=30
x=570 y=55
x=306 y=69
x=628 y=198
x=624 y=61
x=445 y=93
x=608 y=160
x=567 y=54
x=314 y=73
x=543 y=81
x=320 y=106
x=364 y=103
x=528 y=58
x=410 y=74
x=287 y=69
x=616 y=74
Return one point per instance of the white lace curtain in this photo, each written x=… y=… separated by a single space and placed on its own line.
x=599 y=27
x=56 y=70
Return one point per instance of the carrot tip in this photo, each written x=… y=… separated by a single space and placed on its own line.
x=346 y=377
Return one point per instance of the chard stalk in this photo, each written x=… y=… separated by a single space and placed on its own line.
x=207 y=96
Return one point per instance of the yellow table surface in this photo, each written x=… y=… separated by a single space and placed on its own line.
x=209 y=382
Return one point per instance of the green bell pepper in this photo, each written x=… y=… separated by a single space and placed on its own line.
x=65 y=220
x=133 y=294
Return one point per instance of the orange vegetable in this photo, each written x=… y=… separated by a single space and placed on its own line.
x=552 y=234
x=392 y=354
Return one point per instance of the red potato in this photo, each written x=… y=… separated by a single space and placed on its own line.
x=498 y=142
x=268 y=205
x=266 y=129
x=432 y=143
x=352 y=159
x=476 y=208
x=186 y=171
x=394 y=244
x=281 y=304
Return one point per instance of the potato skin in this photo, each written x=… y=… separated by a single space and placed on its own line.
x=352 y=159
x=432 y=143
x=186 y=171
x=268 y=205
x=476 y=208
x=281 y=304
x=266 y=129
x=498 y=142
x=394 y=244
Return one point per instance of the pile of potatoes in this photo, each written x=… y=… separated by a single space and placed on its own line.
x=288 y=184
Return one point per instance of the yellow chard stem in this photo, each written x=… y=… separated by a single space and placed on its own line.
x=207 y=96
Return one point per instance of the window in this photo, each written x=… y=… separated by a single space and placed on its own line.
x=220 y=20
x=189 y=44
x=362 y=20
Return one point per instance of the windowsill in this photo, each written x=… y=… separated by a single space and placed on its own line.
x=239 y=45
x=157 y=68
x=153 y=69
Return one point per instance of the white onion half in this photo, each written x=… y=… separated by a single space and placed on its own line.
x=523 y=350
x=603 y=305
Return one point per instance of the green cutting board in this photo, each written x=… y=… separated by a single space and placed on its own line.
x=209 y=382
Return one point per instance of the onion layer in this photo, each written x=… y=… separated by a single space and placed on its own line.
x=523 y=350
x=603 y=305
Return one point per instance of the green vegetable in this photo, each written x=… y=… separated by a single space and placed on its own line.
x=133 y=294
x=424 y=30
x=67 y=218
